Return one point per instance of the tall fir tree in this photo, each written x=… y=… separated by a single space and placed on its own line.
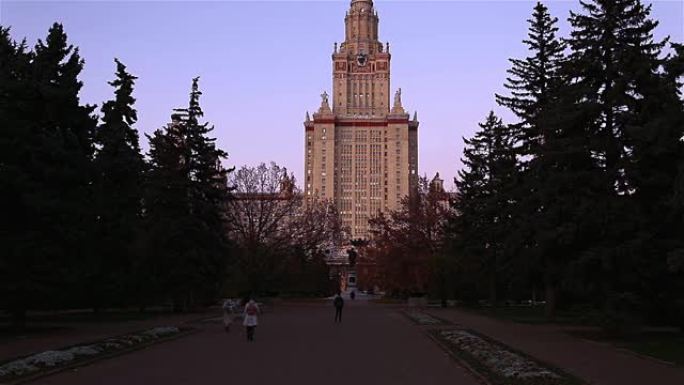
x=209 y=192
x=486 y=199
x=615 y=69
x=534 y=82
x=165 y=215
x=119 y=168
x=52 y=133
x=187 y=190
x=470 y=225
x=23 y=269
x=66 y=128
x=613 y=59
x=674 y=70
x=535 y=85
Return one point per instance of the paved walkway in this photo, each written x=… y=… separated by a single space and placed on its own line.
x=297 y=344
x=594 y=362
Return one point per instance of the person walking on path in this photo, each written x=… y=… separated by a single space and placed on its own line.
x=339 y=304
x=227 y=314
x=250 y=318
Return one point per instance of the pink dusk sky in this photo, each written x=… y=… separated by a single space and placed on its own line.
x=263 y=64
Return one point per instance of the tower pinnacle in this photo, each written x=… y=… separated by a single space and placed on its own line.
x=361 y=148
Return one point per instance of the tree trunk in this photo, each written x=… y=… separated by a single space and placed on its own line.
x=178 y=304
x=18 y=319
x=492 y=288
x=550 y=297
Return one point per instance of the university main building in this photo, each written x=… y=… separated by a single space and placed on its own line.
x=361 y=148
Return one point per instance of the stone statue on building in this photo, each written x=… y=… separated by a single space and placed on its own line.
x=325 y=106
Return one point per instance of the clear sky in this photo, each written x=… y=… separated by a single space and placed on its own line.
x=263 y=64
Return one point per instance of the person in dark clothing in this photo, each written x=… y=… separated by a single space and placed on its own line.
x=339 y=304
x=352 y=295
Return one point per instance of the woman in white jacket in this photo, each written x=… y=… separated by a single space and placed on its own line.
x=250 y=318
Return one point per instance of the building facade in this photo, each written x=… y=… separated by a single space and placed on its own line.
x=360 y=150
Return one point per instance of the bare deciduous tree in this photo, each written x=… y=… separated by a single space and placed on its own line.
x=406 y=242
x=272 y=224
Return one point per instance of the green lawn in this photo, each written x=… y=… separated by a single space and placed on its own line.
x=663 y=345
x=45 y=322
x=535 y=315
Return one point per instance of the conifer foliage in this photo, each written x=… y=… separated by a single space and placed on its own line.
x=582 y=195
x=631 y=114
x=119 y=168
x=486 y=198
x=549 y=180
x=596 y=192
x=48 y=136
x=185 y=198
x=86 y=220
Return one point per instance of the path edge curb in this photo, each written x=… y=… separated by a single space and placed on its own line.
x=33 y=377
x=478 y=377
x=442 y=321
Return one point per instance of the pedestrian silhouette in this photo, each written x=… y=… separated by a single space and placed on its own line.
x=228 y=308
x=339 y=304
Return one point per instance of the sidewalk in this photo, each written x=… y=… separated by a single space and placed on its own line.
x=594 y=362
x=294 y=345
x=71 y=333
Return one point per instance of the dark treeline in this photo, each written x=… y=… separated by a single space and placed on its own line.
x=87 y=220
x=580 y=199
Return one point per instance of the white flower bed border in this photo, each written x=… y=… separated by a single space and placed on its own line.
x=497 y=362
x=422 y=318
x=53 y=359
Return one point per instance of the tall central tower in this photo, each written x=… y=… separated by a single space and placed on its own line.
x=361 y=152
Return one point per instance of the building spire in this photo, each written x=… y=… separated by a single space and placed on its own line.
x=361 y=24
x=369 y=2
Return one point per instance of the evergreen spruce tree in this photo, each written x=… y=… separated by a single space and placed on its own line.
x=535 y=84
x=472 y=186
x=615 y=71
x=675 y=72
x=185 y=200
x=119 y=168
x=23 y=270
x=613 y=59
x=48 y=135
x=65 y=129
x=558 y=213
x=486 y=198
x=208 y=194
x=161 y=269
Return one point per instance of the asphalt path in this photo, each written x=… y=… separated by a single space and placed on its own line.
x=294 y=344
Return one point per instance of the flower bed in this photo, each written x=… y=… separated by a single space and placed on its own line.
x=498 y=363
x=423 y=318
x=55 y=359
